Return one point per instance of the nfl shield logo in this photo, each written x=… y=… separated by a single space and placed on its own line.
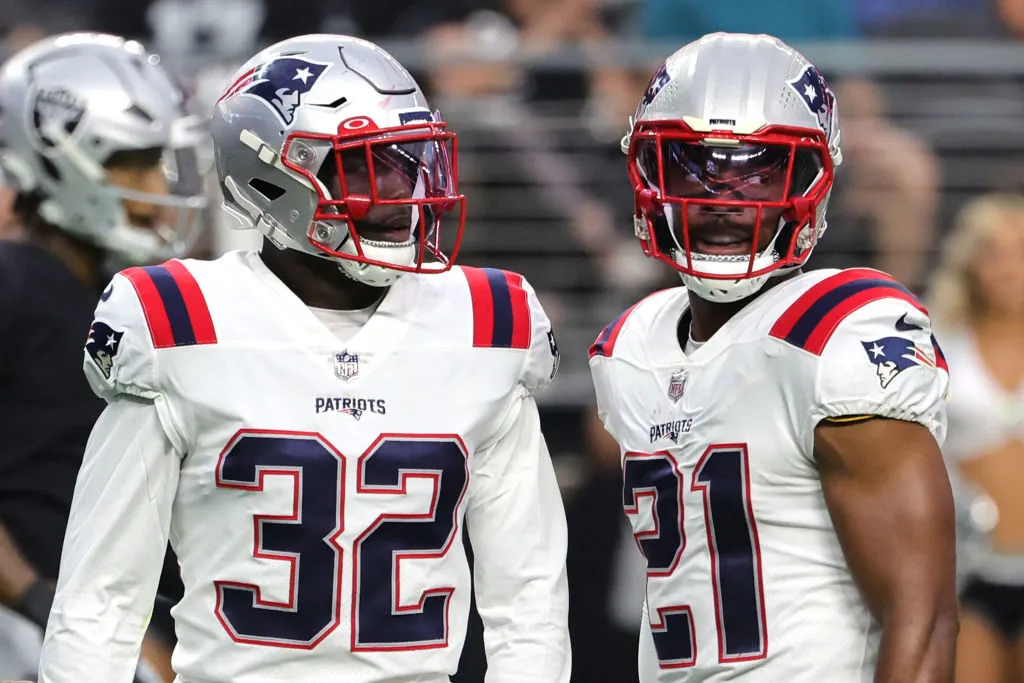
x=346 y=365
x=677 y=385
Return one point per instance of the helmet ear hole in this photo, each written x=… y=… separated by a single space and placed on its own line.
x=266 y=189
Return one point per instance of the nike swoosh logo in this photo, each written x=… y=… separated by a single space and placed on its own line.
x=903 y=326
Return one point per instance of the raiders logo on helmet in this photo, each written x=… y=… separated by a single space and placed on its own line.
x=56 y=116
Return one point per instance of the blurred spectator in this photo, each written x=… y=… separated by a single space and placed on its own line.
x=24 y=21
x=17 y=36
x=938 y=18
x=206 y=26
x=887 y=190
x=977 y=301
x=790 y=20
x=505 y=100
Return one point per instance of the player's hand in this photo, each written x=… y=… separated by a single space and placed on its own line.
x=16 y=575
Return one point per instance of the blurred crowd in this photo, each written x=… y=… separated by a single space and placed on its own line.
x=931 y=191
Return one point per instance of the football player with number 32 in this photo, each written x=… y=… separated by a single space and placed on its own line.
x=311 y=425
x=779 y=430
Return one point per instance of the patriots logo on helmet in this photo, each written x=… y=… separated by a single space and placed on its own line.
x=893 y=355
x=658 y=81
x=816 y=96
x=281 y=83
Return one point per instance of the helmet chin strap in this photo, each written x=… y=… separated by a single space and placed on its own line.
x=726 y=290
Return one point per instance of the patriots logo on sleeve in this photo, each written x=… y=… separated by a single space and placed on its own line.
x=555 y=355
x=281 y=83
x=102 y=346
x=893 y=355
x=816 y=96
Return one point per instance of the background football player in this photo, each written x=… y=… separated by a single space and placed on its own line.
x=95 y=143
x=312 y=424
x=779 y=430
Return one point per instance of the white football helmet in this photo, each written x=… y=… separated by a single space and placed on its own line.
x=326 y=145
x=732 y=152
x=70 y=103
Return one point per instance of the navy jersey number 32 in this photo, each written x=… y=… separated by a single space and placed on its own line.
x=307 y=540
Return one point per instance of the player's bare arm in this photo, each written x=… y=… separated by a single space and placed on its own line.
x=889 y=496
x=20 y=586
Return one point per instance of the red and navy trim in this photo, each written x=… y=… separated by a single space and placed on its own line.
x=940 y=357
x=813 y=318
x=174 y=305
x=501 y=309
x=604 y=345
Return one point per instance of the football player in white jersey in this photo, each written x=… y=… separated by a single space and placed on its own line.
x=312 y=425
x=779 y=430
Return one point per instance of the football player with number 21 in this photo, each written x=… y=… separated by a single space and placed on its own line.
x=312 y=424
x=779 y=430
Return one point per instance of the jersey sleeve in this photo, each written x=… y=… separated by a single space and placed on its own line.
x=542 y=357
x=883 y=360
x=119 y=356
x=601 y=372
x=508 y=315
x=517 y=528
x=114 y=548
x=622 y=406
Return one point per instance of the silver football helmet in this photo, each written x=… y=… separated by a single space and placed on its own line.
x=732 y=152
x=70 y=103
x=326 y=145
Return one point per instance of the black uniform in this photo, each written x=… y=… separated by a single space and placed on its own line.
x=46 y=406
x=47 y=409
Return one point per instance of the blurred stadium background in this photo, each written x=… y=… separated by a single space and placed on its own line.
x=931 y=98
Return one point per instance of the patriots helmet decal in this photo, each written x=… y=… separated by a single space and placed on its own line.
x=814 y=92
x=282 y=82
x=658 y=81
x=893 y=355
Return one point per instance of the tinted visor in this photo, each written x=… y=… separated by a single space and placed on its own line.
x=753 y=173
x=392 y=174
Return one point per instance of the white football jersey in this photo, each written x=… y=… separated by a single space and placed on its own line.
x=319 y=490
x=746 y=577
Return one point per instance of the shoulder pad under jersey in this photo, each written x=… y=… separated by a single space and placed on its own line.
x=141 y=312
x=876 y=351
x=508 y=315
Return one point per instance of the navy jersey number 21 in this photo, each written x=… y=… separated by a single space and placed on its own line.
x=722 y=478
x=307 y=540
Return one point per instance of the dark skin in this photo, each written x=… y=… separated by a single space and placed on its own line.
x=317 y=281
x=893 y=511
x=892 y=507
